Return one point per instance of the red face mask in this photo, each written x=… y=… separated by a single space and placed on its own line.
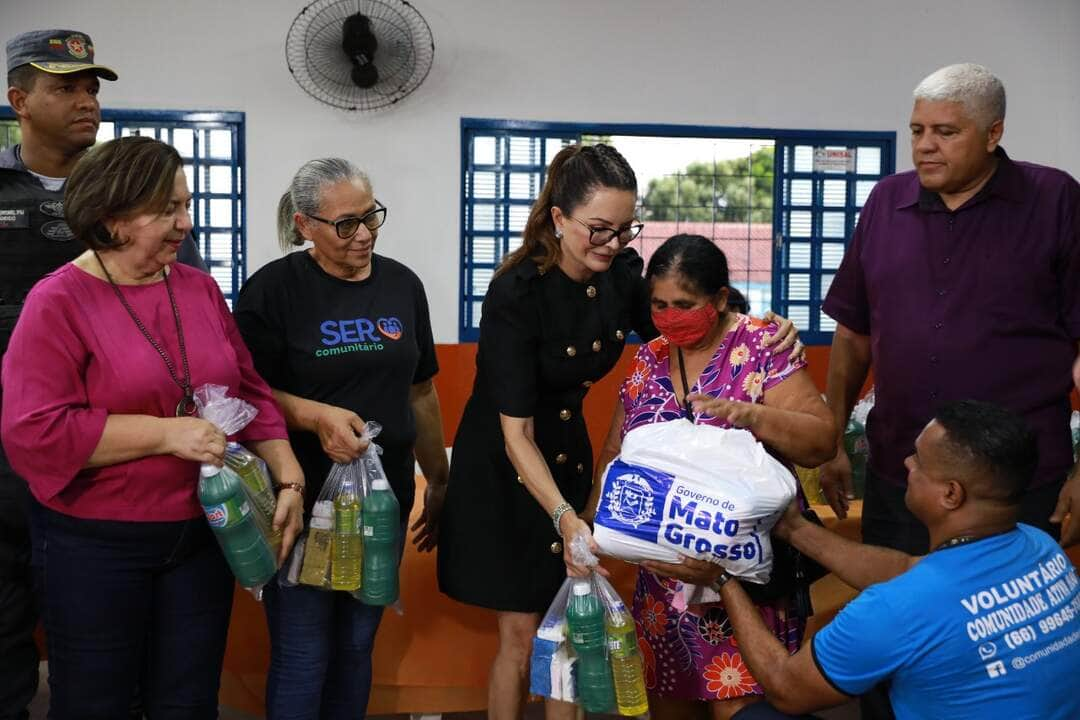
x=685 y=328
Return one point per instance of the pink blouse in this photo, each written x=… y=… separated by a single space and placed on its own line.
x=76 y=357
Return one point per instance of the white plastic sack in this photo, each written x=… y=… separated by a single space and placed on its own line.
x=682 y=489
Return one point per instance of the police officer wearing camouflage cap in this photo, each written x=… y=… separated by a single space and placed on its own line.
x=53 y=85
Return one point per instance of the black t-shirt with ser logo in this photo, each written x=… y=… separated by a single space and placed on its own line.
x=357 y=345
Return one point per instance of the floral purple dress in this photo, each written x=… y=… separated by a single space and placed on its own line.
x=692 y=654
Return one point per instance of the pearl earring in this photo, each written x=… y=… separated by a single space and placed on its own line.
x=558 y=234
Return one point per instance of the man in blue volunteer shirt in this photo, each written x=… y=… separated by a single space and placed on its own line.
x=987 y=625
x=53 y=85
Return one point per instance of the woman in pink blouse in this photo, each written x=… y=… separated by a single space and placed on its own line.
x=710 y=365
x=97 y=417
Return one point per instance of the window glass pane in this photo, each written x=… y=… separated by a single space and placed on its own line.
x=484 y=150
x=800 y=223
x=868 y=161
x=553 y=146
x=831 y=255
x=800 y=193
x=834 y=193
x=483 y=250
x=524 y=151
x=221 y=213
x=862 y=191
x=220 y=144
x=832 y=224
x=484 y=184
x=223 y=276
x=799 y=255
x=221 y=178
x=826 y=283
x=524 y=186
x=800 y=315
x=184 y=141
x=798 y=286
x=481 y=278
x=519 y=215
x=483 y=217
x=804 y=158
x=221 y=247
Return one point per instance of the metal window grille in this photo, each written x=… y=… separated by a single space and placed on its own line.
x=783 y=252
x=211 y=145
x=821 y=185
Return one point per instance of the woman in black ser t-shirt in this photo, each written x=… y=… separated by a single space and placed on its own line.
x=342 y=335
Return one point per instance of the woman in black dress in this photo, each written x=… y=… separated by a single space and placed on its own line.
x=555 y=320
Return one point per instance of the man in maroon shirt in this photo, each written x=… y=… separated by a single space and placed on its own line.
x=962 y=281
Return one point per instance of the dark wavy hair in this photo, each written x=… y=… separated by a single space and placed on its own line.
x=574 y=175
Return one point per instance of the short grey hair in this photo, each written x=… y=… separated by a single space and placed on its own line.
x=305 y=194
x=973 y=86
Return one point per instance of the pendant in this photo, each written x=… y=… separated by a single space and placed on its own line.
x=186 y=407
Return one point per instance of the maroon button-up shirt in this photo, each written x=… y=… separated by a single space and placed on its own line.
x=978 y=303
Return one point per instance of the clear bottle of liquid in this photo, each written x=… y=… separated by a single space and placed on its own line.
x=230 y=516
x=253 y=473
x=320 y=540
x=347 y=548
x=381 y=526
x=585 y=621
x=627 y=671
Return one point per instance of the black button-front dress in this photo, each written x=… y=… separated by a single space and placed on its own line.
x=544 y=339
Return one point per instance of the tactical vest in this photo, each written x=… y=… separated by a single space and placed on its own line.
x=34 y=241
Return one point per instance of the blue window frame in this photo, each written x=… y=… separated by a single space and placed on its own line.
x=504 y=164
x=211 y=145
x=821 y=181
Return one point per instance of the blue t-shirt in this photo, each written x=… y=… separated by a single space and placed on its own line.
x=985 y=630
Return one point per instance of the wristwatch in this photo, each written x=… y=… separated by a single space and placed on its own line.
x=720 y=581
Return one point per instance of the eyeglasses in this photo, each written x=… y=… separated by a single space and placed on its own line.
x=602 y=236
x=347 y=227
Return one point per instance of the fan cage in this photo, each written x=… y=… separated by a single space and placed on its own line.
x=321 y=68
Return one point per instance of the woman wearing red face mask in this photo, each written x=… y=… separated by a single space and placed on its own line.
x=710 y=365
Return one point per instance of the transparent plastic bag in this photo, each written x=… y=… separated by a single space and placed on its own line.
x=237 y=498
x=607 y=677
x=315 y=556
x=856 y=445
x=329 y=558
x=383 y=536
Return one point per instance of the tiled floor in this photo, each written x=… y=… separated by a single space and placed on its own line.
x=534 y=711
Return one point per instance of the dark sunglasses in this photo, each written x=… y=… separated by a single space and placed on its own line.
x=602 y=236
x=347 y=227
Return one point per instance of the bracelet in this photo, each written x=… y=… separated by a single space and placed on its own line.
x=721 y=581
x=295 y=487
x=556 y=515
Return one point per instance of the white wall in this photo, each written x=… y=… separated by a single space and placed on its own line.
x=830 y=64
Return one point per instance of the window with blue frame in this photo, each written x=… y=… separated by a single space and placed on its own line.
x=211 y=145
x=819 y=181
